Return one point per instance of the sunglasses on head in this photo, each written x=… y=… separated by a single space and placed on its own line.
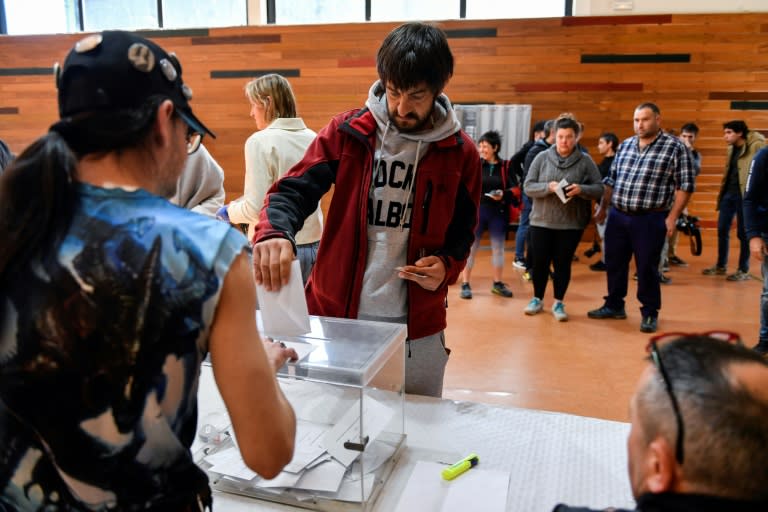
x=653 y=349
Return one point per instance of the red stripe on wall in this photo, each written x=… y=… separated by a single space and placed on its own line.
x=582 y=21
x=363 y=62
x=577 y=86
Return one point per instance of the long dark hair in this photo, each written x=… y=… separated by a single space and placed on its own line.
x=38 y=194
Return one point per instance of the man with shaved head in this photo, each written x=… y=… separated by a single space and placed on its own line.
x=699 y=427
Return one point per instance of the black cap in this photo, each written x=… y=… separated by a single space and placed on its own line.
x=119 y=70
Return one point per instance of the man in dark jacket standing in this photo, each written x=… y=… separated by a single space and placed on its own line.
x=756 y=232
x=404 y=209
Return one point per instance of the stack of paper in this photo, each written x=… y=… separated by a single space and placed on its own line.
x=321 y=465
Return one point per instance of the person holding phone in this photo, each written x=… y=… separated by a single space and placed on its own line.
x=563 y=182
x=498 y=180
x=406 y=184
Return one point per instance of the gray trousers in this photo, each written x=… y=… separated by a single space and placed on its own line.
x=307 y=255
x=425 y=360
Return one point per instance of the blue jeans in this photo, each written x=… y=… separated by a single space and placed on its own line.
x=522 y=228
x=730 y=207
x=495 y=222
x=764 y=299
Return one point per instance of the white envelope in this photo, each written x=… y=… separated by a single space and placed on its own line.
x=284 y=312
x=560 y=191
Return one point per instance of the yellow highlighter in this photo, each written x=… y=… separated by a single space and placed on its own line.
x=460 y=467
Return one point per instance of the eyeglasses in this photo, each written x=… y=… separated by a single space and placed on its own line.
x=653 y=348
x=194 y=138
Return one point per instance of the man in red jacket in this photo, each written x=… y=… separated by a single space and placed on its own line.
x=401 y=222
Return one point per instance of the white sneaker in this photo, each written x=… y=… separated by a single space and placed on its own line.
x=533 y=307
x=558 y=311
x=519 y=264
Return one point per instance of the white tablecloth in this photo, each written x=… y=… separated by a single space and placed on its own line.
x=552 y=457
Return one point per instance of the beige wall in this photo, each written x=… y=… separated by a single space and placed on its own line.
x=257 y=12
x=607 y=7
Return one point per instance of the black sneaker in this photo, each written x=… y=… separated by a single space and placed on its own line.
x=761 y=347
x=674 y=260
x=598 y=267
x=649 y=324
x=664 y=279
x=606 y=312
x=500 y=288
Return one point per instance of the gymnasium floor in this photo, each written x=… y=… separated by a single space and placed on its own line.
x=583 y=366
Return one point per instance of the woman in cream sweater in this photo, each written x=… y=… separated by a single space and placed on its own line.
x=278 y=144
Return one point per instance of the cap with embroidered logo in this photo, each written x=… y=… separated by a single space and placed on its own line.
x=115 y=70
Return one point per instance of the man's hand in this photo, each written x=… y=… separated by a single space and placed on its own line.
x=601 y=213
x=272 y=263
x=429 y=270
x=757 y=248
x=671 y=223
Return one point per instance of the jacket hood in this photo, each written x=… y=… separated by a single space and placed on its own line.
x=563 y=163
x=753 y=137
x=444 y=120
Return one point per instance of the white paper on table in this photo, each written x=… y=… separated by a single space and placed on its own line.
x=351 y=490
x=375 y=454
x=308 y=446
x=229 y=462
x=284 y=312
x=475 y=489
x=283 y=479
x=375 y=416
x=560 y=191
x=325 y=477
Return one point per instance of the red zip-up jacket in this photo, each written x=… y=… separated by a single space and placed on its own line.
x=444 y=216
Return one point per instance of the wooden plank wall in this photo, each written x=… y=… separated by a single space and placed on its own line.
x=702 y=68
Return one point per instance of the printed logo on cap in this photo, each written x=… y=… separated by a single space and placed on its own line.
x=88 y=43
x=141 y=57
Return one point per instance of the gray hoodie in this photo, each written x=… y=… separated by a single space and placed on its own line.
x=396 y=161
x=548 y=210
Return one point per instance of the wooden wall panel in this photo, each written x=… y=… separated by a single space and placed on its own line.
x=719 y=73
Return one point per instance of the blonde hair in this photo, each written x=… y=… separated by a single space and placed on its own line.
x=275 y=93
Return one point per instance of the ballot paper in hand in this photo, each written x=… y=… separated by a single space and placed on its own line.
x=560 y=191
x=284 y=312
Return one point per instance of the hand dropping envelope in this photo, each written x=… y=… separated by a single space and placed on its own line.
x=284 y=312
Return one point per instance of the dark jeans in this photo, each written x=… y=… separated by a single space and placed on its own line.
x=764 y=298
x=556 y=247
x=730 y=207
x=642 y=236
x=521 y=237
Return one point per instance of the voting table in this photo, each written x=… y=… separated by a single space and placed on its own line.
x=386 y=449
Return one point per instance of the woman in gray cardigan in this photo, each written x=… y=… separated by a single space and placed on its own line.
x=562 y=182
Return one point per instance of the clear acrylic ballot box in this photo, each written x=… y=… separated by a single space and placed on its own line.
x=347 y=392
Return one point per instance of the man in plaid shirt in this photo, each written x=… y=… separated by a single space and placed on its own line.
x=650 y=182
